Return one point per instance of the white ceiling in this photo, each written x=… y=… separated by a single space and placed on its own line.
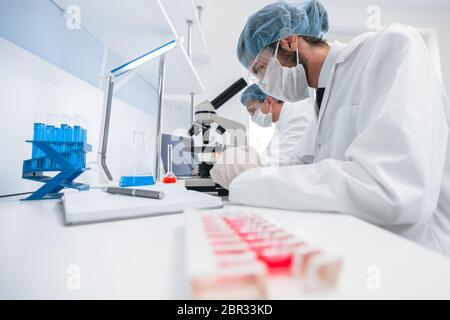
x=424 y=3
x=428 y=3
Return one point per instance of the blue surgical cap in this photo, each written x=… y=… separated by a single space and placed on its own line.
x=280 y=20
x=253 y=93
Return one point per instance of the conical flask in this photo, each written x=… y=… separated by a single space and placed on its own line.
x=140 y=172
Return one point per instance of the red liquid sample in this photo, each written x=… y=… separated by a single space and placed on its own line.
x=169 y=180
x=274 y=259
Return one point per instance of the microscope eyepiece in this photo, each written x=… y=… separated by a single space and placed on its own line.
x=229 y=93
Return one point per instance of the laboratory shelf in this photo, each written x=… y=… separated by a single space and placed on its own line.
x=179 y=12
x=134 y=27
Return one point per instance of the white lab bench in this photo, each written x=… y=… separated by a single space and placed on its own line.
x=144 y=258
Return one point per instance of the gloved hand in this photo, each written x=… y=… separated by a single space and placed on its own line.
x=232 y=163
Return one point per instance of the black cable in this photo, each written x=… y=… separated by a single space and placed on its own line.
x=15 y=195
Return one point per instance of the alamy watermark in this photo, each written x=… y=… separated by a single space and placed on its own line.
x=73 y=17
x=373 y=280
x=73 y=280
x=374 y=17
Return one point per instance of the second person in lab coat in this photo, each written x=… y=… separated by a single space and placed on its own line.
x=290 y=121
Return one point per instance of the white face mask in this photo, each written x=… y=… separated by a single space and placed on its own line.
x=286 y=84
x=262 y=119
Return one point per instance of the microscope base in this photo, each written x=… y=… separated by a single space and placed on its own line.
x=204 y=185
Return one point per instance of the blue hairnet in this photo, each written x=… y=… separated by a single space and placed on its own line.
x=280 y=20
x=253 y=93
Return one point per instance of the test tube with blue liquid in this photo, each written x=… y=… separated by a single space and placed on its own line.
x=83 y=140
x=38 y=135
x=64 y=135
x=77 y=133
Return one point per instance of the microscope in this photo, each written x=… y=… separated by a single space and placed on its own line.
x=207 y=123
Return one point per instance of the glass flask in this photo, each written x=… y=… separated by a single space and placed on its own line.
x=170 y=176
x=140 y=172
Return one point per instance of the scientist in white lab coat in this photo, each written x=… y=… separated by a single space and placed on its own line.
x=379 y=146
x=290 y=123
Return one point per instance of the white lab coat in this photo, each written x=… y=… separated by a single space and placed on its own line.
x=289 y=129
x=379 y=149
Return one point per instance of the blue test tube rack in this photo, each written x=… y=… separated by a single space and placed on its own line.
x=60 y=150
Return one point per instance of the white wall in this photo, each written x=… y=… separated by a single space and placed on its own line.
x=434 y=14
x=224 y=20
x=176 y=115
x=222 y=23
x=31 y=85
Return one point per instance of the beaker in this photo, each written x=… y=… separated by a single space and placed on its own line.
x=140 y=172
